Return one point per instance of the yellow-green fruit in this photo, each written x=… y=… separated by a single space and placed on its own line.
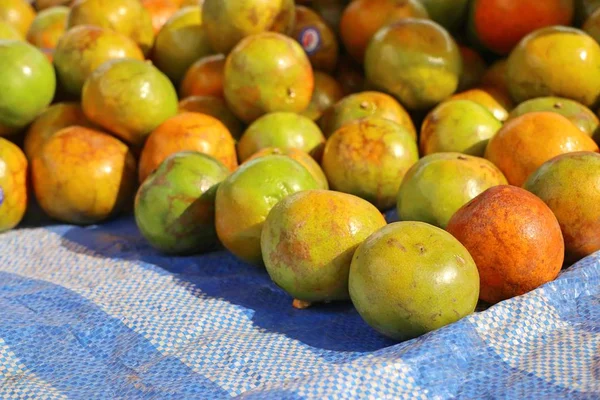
x=13 y=185
x=17 y=13
x=8 y=32
x=308 y=241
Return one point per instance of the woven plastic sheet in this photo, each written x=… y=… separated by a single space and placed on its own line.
x=94 y=313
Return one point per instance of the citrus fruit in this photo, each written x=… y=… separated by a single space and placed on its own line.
x=514 y=239
x=43 y=4
x=439 y=184
x=17 y=13
x=448 y=13
x=368 y=158
x=495 y=75
x=215 y=107
x=410 y=278
x=592 y=25
x=160 y=11
x=8 y=32
x=523 y=144
x=473 y=68
x=175 y=206
x=583 y=9
x=187 y=131
x=129 y=97
x=489 y=97
x=317 y=39
x=331 y=11
x=47 y=28
x=308 y=240
x=204 y=77
x=327 y=92
x=13 y=185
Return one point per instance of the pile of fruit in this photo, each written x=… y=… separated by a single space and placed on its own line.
x=282 y=131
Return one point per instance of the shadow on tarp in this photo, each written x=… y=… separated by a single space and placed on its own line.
x=336 y=327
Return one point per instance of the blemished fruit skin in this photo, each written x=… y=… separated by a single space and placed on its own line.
x=369 y=158
x=570 y=185
x=245 y=198
x=101 y=185
x=461 y=126
x=283 y=130
x=514 y=239
x=27 y=84
x=250 y=87
x=174 y=207
x=130 y=98
x=362 y=105
x=308 y=240
x=13 y=185
x=441 y=183
x=410 y=278
x=555 y=61
x=423 y=68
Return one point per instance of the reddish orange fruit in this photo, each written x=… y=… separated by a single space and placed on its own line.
x=514 y=239
x=492 y=98
x=187 y=131
x=204 y=77
x=215 y=107
x=160 y=11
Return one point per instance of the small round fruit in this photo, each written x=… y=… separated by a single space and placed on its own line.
x=500 y=24
x=47 y=27
x=410 y=278
x=27 y=85
x=331 y=11
x=245 y=198
x=448 y=13
x=556 y=61
x=160 y=11
x=17 y=13
x=230 y=21
x=215 y=107
x=416 y=60
x=83 y=49
x=251 y=89
x=461 y=126
x=326 y=93
x=127 y=17
x=204 y=77
x=473 y=68
x=577 y=113
x=317 y=39
x=363 y=18
x=495 y=75
x=302 y=157
x=283 y=130
x=52 y=120
x=308 y=240
x=9 y=32
x=439 y=184
x=523 y=144
x=180 y=42
x=13 y=185
x=368 y=158
x=570 y=185
x=174 y=207
x=129 y=98
x=187 y=131
x=362 y=105
x=83 y=176
x=491 y=98
x=514 y=239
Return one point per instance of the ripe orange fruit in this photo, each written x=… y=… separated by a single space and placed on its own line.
x=204 y=77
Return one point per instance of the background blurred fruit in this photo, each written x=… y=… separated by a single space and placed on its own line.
x=473 y=68
x=461 y=126
x=491 y=98
x=410 y=278
x=283 y=130
x=439 y=184
x=416 y=60
x=180 y=42
x=523 y=144
x=130 y=98
x=102 y=185
x=368 y=158
x=350 y=75
x=9 y=32
x=204 y=77
x=13 y=185
x=326 y=93
x=187 y=131
x=52 y=120
x=215 y=107
x=363 y=18
x=18 y=13
x=227 y=22
x=592 y=25
x=174 y=207
x=583 y=9
x=127 y=17
x=302 y=157
x=317 y=39
x=160 y=11
x=27 y=84
x=448 y=13
x=331 y=11
x=508 y=217
x=308 y=240
x=250 y=87
x=47 y=28
x=245 y=198
x=570 y=185
x=496 y=75
x=556 y=61
x=83 y=49
x=577 y=113
x=362 y=105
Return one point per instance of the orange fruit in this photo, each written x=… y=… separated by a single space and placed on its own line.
x=497 y=102
x=473 y=68
x=47 y=28
x=523 y=144
x=326 y=93
x=160 y=11
x=204 y=77
x=17 y=13
x=317 y=39
x=215 y=107
x=13 y=185
x=187 y=131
